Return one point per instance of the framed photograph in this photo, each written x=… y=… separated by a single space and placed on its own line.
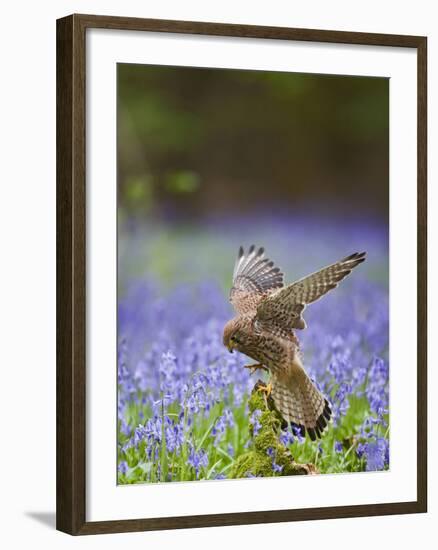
x=241 y=274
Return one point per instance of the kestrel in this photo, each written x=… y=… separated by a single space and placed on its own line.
x=267 y=314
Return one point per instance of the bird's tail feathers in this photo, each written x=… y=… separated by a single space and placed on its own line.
x=301 y=404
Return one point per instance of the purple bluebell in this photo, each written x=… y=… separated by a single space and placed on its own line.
x=198 y=459
x=254 y=420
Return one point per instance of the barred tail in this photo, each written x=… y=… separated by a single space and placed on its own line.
x=301 y=403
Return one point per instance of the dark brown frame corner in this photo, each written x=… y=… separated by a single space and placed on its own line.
x=71 y=269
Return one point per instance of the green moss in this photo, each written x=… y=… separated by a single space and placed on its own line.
x=266 y=447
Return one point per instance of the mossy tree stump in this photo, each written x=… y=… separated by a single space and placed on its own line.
x=267 y=456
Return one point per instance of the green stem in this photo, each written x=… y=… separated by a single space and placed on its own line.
x=204 y=437
x=225 y=454
x=163 y=459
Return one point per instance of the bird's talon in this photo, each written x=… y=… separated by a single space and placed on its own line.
x=267 y=389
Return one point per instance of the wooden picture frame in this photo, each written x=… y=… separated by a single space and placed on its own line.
x=71 y=274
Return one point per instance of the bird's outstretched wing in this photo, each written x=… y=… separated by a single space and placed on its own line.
x=254 y=277
x=283 y=308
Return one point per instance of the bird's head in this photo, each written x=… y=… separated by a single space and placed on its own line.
x=231 y=335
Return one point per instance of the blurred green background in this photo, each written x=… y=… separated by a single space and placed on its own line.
x=196 y=142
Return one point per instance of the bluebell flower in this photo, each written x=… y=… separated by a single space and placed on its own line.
x=276 y=468
x=254 y=420
x=229 y=418
x=174 y=434
x=124 y=428
x=360 y=450
x=270 y=452
x=297 y=434
x=197 y=460
x=286 y=437
x=376 y=454
x=218 y=430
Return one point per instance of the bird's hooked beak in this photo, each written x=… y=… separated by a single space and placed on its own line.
x=231 y=345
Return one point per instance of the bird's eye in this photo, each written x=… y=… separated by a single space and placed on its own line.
x=233 y=338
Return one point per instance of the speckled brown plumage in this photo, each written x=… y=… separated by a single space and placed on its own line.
x=267 y=314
